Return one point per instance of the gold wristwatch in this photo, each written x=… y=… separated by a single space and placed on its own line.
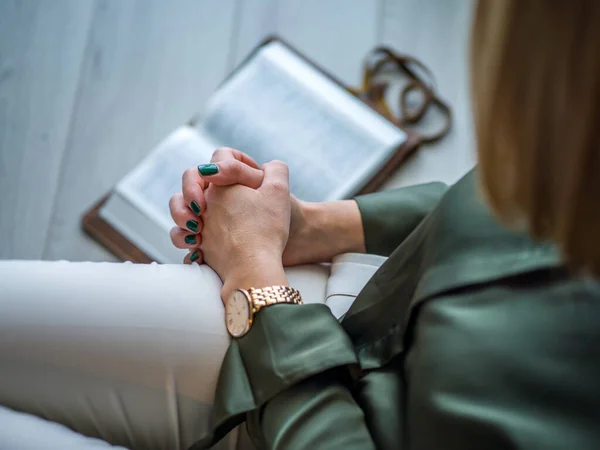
x=242 y=305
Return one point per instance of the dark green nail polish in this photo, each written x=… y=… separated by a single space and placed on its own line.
x=192 y=225
x=194 y=256
x=195 y=207
x=208 y=169
x=190 y=239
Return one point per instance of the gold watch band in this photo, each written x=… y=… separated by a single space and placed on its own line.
x=272 y=295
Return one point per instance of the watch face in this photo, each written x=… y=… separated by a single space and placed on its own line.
x=237 y=314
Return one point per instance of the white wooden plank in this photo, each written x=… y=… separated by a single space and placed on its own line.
x=437 y=32
x=336 y=34
x=255 y=20
x=149 y=66
x=41 y=50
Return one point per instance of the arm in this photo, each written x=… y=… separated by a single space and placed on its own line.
x=289 y=377
x=374 y=223
x=296 y=379
x=287 y=345
x=317 y=413
x=292 y=370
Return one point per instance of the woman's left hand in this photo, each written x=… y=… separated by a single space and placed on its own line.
x=246 y=230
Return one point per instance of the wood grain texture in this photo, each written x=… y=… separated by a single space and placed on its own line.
x=254 y=21
x=41 y=51
x=436 y=32
x=336 y=34
x=149 y=66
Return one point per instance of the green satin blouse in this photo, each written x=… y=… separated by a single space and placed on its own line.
x=470 y=336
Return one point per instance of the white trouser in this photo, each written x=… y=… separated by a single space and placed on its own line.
x=127 y=353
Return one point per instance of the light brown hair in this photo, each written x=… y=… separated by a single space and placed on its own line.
x=536 y=98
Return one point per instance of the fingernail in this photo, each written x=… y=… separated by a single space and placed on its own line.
x=190 y=239
x=195 y=207
x=208 y=169
x=194 y=256
x=192 y=225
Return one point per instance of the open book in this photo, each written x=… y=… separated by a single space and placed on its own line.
x=276 y=105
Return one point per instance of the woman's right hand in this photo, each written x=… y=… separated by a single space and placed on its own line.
x=318 y=231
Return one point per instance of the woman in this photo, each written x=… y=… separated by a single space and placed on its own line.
x=471 y=335
x=479 y=331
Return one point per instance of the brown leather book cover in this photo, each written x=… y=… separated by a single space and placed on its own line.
x=104 y=233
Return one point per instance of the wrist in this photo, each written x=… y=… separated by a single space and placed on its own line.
x=255 y=271
x=336 y=226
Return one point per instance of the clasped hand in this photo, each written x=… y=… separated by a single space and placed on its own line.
x=241 y=220
x=235 y=216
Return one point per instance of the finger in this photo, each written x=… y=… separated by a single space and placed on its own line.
x=223 y=153
x=194 y=257
x=231 y=171
x=182 y=238
x=193 y=186
x=277 y=178
x=183 y=216
x=230 y=166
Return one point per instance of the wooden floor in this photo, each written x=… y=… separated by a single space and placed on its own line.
x=87 y=87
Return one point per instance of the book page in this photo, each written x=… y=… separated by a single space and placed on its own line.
x=150 y=186
x=279 y=107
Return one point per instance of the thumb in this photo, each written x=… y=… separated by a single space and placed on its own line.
x=277 y=177
x=231 y=171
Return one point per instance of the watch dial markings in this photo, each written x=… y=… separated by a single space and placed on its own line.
x=237 y=314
